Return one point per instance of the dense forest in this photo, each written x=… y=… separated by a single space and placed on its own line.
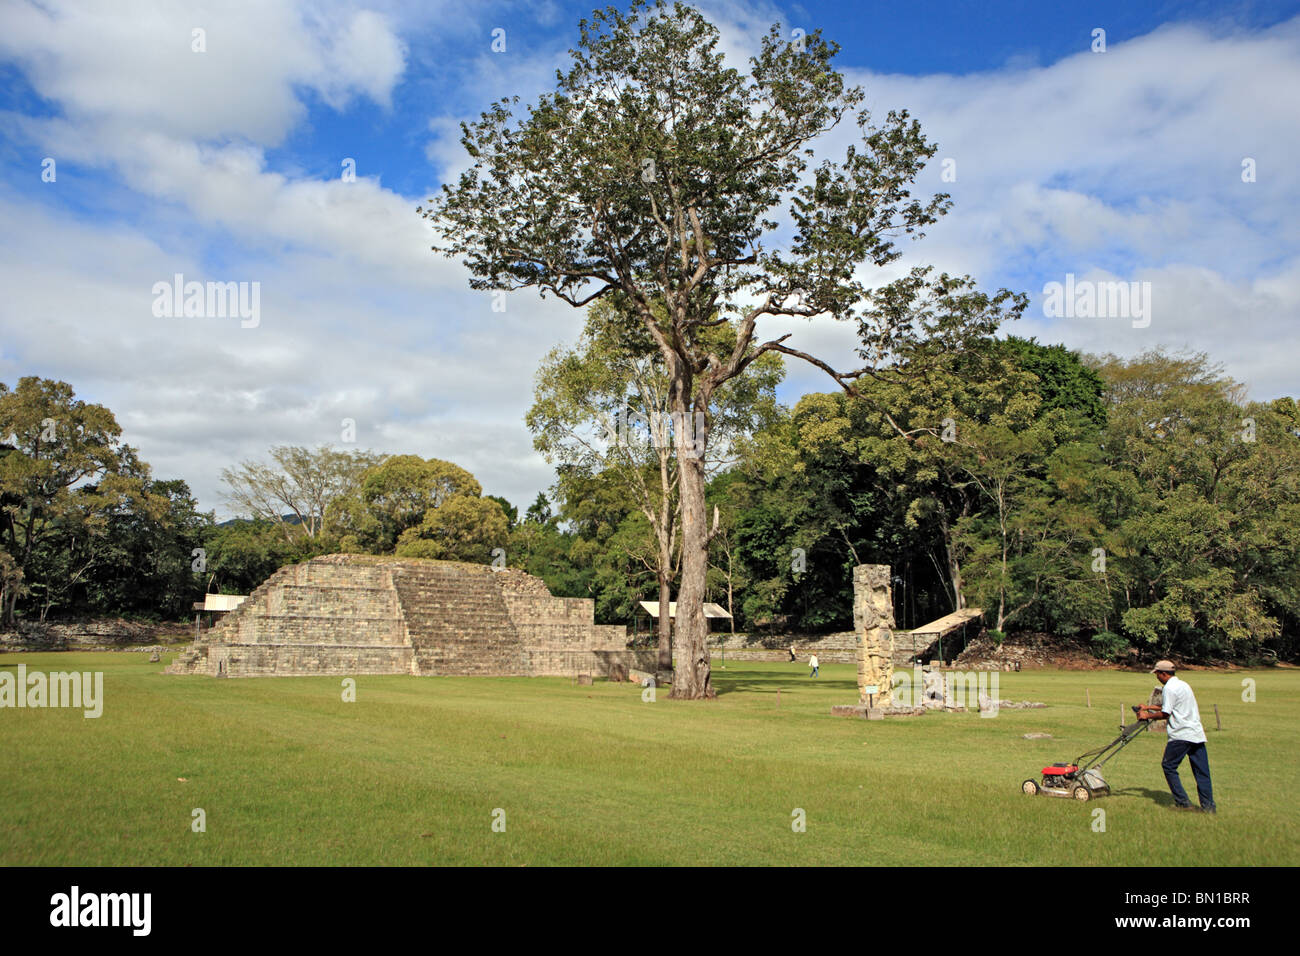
x=1129 y=502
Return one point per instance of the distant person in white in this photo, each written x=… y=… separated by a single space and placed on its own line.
x=812 y=662
x=1186 y=737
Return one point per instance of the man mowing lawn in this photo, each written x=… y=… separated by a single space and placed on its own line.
x=1186 y=737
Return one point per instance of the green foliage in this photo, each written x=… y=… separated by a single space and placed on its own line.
x=544 y=550
x=79 y=509
x=1064 y=380
x=539 y=512
x=1170 y=518
x=1109 y=645
x=11 y=579
x=298 y=489
x=146 y=566
x=243 y=553
x=613 y=549
x=510 y=511
x=395 y=497
x=462 y=528
x=1208 y=526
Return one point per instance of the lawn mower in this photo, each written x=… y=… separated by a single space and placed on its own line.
x=1082 y=779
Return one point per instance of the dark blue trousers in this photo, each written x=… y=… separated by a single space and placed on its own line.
x=1175 y=751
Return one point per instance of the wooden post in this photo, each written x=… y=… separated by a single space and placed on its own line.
x=1121 y=715
x=1217 y=725
x=1089 y=693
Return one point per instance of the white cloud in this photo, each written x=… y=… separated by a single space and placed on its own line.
x=421 y=366
x=134 y=63
x=1249 y=325
x=1124 y=165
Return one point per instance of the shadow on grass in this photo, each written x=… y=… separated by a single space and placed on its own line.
x=1160 y=797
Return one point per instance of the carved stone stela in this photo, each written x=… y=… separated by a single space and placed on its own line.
x=873 y=619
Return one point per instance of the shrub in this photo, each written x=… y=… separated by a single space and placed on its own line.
x=1109 y=645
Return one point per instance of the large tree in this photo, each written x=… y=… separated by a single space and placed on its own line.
x=50 y=444
x=604 y=405
x=295 y=493
x=659 y=176
x=1208 y=529
x=124 y=545
x=419 y=508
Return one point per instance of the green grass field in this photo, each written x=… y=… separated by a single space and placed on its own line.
x=411 y=773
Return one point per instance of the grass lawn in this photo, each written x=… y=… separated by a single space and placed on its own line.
x=411 y=773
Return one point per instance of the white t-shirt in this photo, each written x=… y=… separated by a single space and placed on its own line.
x=1184 y=717
x=812 y=661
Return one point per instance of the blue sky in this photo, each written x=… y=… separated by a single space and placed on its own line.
x=225 y=165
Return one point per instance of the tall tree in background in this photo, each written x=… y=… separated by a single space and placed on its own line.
x=52 y=443
x=11 y=581
x=419 y=508
x=301 y=482
x=1209 y=527
x=605 y=406
x=654 y=173
x=241 y=554
x=611 y=548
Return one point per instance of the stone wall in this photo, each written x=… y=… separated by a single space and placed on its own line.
x=92 y=635
x=838 y=647
x=359 y=614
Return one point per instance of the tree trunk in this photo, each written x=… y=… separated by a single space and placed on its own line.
x=954 y=567
x=960 y=601
x=691 y=675
x=665 y=621
x=731 y=609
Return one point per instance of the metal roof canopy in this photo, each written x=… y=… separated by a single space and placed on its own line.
x=710 y=610
x=949 y=622
x=220 y=602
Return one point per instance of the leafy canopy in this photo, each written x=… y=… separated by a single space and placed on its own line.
x=659 y=175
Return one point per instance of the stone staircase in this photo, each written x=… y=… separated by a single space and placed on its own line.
x=457 y=621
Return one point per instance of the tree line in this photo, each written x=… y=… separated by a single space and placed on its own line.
x=1135 y=503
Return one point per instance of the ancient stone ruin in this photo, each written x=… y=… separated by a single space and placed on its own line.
x=873 y=619
x=363 y=614
x=922 y=689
